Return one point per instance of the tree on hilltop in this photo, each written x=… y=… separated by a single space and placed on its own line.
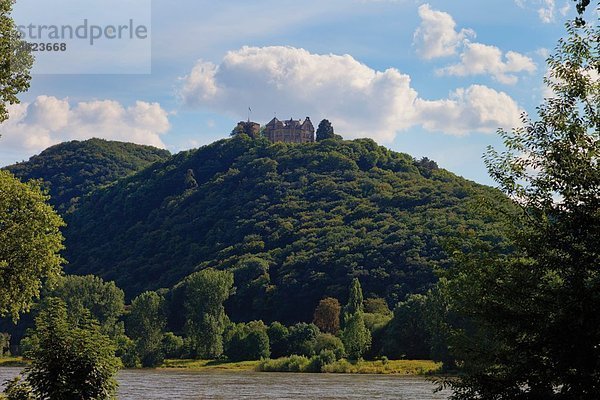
x=325 y=131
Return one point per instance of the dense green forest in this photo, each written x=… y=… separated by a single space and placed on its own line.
x=295 y=227
x=73 y=169
x=295 y=223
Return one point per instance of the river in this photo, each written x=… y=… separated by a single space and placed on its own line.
x=189 y=385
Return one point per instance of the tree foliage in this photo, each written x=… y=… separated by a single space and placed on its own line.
x=247 y=341
x=327 y=315
x=72 y=170
x=90 y=295
x=4 y=344
x=206 y=291
x=356 y=336
x=278 y=339
x=70 y=362
x=355 y=300
x=301 y=339
x=294 y=222
x=30 y=240
x=532 y=323
x=325 y=131
x=15 y=61
x=407 y=335
x=146 y=324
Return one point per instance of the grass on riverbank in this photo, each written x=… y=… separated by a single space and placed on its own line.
x=212 y=365
x=395 y=367
x=12 y=362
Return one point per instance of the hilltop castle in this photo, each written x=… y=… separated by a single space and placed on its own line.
x=290 y=131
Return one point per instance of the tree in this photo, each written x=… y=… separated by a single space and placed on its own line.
x=146 y=326
x=15 y=61
x=327 y=315
x=172 y=345
x=278 y=339
x=355 y=300
x=407 y=336
x=89 y=294
x=534 y=324
x=325 y=131
x=356 y=336
x=302 y=339
x=4 y=344
x=377 y=305
x=247 y=342
x=206 y=291
x=30 y=241
x=70 y=361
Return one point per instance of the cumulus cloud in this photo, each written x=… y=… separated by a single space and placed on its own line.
x=437 y=35
x=48 y=120
x=477 y=107
x=358 y=99
x=480 y=59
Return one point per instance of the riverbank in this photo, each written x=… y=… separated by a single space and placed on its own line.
x=380 y=367
x=12 y=362
x=387 y=367
x=211 y=365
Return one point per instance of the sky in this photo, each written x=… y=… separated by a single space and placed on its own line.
x=431 y=78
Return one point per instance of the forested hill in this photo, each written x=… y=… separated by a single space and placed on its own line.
x=294 y=222
x=73 y=169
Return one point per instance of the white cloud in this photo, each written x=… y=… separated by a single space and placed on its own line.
x=480 y=59
x=475 y=108
x=360 y=101
x=564 y=10
x=437 y=36
x=546 y=9
x=48 y=120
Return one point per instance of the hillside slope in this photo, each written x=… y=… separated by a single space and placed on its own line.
x=74 y=169
x=294 y=222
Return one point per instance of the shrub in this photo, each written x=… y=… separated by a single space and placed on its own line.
x=247 y=342
x=278 y=339
x=332 y=343
x=172 y=345
x=339 y=367
x=287 y=364
x=127 y=352
x=318 y=362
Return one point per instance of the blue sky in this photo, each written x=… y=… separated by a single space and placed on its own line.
x=431 y=78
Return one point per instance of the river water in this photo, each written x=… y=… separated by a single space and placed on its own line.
x=189 y=385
